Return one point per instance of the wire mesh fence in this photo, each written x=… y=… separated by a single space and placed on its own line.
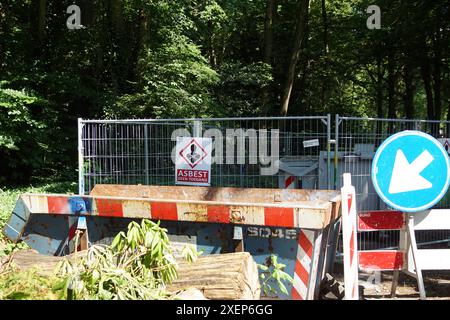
x=140 y=151
x=358 y=140
x=126 y=152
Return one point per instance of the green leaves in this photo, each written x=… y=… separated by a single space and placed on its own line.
x=174 y=59
x=178 y=78
x=16 y=121
x=117 y=243
x=273 y=274
x=20 y=129
x=240 y=88
x=28 y=285
x=137 y=265
x=190 y=253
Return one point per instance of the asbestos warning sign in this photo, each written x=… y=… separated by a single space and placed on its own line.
x=193 y=161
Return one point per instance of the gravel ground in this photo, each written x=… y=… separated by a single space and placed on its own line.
x=437 y=285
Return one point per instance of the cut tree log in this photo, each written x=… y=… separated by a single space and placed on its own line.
x=230 y=276
x=44 y=264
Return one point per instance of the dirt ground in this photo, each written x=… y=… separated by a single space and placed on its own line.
x=437 y=285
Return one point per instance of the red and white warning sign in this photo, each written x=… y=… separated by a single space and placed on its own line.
x=193 y=161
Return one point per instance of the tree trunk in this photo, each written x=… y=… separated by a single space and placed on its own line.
x=229 y=276
x=448 y=107
x=117 y=18
x=303 y=82
x=3 y=14
x=268 y=30
x=211 y=51
x=41 y=19
x=300 y=28
x=326 y=54
x=392 y=104
x=426 y=78
x=268 y=47
x=325 y=27
x=409 y=90
x=119 y=37
x=437 y=80
x=448 y=119
x=448 y=112
x=379 y=98
x=143 y=30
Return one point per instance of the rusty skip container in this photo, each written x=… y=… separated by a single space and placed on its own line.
x=296 y=225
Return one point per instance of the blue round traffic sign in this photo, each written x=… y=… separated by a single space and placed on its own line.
x=411 y=171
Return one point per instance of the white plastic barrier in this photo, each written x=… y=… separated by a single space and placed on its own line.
x=349 y=233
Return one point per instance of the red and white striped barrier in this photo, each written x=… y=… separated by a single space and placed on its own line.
x=303 y=265
x=290 y=182
x=305 y=271
x=349 y=233
x=381 y=260
x=311 y=219
x=289 y=215
x=408 y=258
x=73 y=226
x=77 y=227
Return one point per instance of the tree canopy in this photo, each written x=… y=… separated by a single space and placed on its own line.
x=193 y=58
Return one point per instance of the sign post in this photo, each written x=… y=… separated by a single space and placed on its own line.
x=411 y=173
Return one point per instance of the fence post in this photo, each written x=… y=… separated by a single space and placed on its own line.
x=336 y=150
x=80 y=157
x=197 y=128
x=328 y=151
x=146 y=153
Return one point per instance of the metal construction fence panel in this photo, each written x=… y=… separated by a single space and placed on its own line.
x=313 y=153
x=140 y=151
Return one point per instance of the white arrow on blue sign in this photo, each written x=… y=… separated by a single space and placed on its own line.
x=411 y=171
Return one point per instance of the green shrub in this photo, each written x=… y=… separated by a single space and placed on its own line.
x=27 y=285
x=273 y=277
x=137 y=265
